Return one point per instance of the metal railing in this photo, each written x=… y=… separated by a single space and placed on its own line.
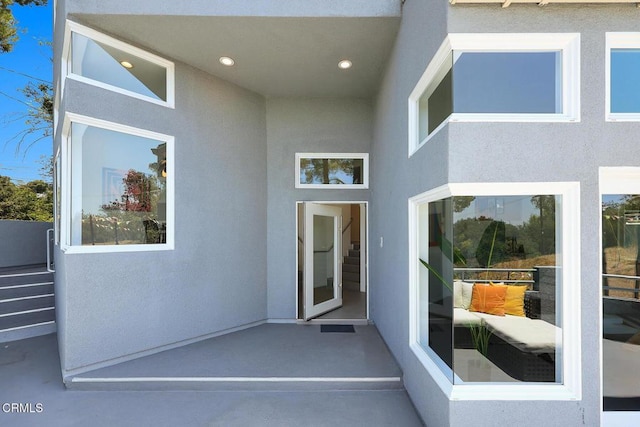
x=606 y=288
x=466 y=273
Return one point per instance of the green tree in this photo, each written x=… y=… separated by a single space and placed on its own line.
x=32 y=201
x=8 y=23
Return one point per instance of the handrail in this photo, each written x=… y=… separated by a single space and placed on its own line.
x=344 y=230
x=49 y=258
x=606 y=288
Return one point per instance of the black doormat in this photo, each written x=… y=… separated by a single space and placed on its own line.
x=621 y=403
x=337 y=328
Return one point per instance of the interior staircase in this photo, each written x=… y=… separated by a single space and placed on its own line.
x=27 y=303
x=351 y=269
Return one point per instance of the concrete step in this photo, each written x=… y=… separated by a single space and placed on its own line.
x=348 y=276
x=25 y=290
x=352 y=268
x=26 y=303
x=352 y=260
x=26 y=318
x=12 y=279
x=205 y=383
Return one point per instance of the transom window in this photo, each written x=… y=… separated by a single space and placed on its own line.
x=97 y=59
x=121 y=192
x=493 y=269
x=332 y=170
x=623 y=76
x=489 y=77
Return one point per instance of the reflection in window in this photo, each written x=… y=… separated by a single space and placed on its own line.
x=327 y=171
x=625 y=80
x=488 y=279
x=103 y=63
x=492 y=83
x=119 y=192
x=621 y=301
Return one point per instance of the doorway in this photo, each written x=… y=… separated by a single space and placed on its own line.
x=332 y=261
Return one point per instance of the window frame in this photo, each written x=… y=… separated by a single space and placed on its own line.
x=567 y=43
x=571 y=387
x=365 y=170
x=613 y=180
x=74 y=27
x=620 y=40
x=68 y=183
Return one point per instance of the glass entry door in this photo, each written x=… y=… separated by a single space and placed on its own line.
x=323 y=259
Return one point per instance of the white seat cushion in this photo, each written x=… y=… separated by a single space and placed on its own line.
x=528 y=335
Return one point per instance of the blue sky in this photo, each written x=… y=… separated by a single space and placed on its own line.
x=28 y=58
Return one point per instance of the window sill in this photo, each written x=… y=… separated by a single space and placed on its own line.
x=99 y=249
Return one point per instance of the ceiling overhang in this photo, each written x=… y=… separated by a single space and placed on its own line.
x=507 y=3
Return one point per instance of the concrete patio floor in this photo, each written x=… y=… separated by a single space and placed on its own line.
x=30 y=375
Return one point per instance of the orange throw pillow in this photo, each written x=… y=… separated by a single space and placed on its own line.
x=488 y=299
x=514 y=299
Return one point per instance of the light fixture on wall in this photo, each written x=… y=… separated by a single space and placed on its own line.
x=126 y=64
x=345 y=64
x=227 y=61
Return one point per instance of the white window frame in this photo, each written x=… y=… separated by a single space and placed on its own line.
x=365 y=170
x=70 y=184
x=567 y=43
x=614 y=180
x=618 y=41
x=66 y=71
x=571 y=388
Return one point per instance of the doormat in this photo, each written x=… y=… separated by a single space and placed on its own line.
x=337 y=328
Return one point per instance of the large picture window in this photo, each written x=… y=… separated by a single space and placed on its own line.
x=491 y=272
x=489 y=77
x=121 y=192
x=623 y=76
x=100 y=60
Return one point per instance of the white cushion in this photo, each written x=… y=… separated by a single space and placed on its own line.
x=528 y=335
x=462 y=317
x=462 y=292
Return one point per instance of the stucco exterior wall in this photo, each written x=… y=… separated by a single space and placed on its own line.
x=118 y=304
x=395 y=179
x=306 y=126
x=27 y=243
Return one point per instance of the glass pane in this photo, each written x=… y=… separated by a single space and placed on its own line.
x=436 y=103
x=436 y=273
x=507 y=82
x=331 y=171
x=323 y=258
x=625 y=80
x=103 y=63
x=118 y=188
x=621 y=303
x=507 y=278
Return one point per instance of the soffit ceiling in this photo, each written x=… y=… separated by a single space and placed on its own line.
x=276 y=57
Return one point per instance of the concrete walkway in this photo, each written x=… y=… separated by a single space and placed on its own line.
x=30 y=375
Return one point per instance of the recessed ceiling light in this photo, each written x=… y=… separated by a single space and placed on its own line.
x=345 y=64
x=226 y=61
x=126 y=64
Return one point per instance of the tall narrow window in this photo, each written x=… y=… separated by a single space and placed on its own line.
x=621 y=301
x=121 y=186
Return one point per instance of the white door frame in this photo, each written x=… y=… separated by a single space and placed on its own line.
x=364 y=260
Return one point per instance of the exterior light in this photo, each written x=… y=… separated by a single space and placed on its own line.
x=126 y=64
x=226 y=61
x=345 y=64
